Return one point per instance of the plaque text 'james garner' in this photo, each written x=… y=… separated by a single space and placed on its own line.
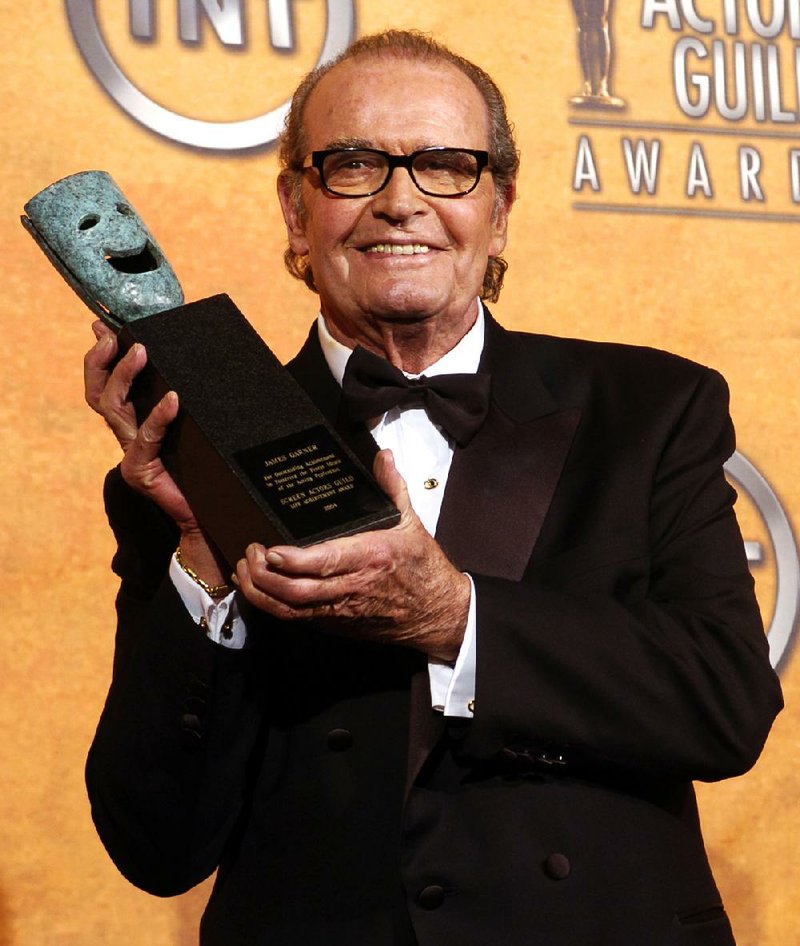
x=309 y=482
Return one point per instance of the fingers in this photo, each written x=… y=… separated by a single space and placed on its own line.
x=416 y=606
x=371 y=551
x=339 y=577
x=96 y=365
x=121 y=378
x=107 y=391
x=143 y=469
x=142 y=462
x=344 y=556
x=394 y=586
x=100 y=329
x=291 y=582
x=299 y=573
x=289 y=598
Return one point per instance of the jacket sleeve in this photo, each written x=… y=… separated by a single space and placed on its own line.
x=646 y=655
x=167 y=770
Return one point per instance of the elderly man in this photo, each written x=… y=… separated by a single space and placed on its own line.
x=481 y=725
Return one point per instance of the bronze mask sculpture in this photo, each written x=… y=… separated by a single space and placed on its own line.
x=100 y=245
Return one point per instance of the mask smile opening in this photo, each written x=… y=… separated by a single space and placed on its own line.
x=142 y=262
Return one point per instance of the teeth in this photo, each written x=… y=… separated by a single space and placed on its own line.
x=396 y=249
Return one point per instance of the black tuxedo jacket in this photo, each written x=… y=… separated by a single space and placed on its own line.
x=620 y=655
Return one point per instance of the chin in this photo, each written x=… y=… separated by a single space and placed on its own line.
x=404 y=305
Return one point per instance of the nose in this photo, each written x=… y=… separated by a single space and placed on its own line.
x=400 y=199
x=120 y=230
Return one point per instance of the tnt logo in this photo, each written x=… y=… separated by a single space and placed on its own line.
x=771 y=552
x=213 y=74
x=226 y=18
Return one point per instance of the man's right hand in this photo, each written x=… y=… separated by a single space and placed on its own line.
x=107 y=390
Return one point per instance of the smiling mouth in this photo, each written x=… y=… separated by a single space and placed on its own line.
x=142 y=262
x=398 y=249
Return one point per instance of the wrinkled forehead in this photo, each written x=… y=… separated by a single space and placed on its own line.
x=373 y=98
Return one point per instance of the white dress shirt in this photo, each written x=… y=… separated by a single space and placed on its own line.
x=422 y=455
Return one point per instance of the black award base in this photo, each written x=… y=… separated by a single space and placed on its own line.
x=253 y=455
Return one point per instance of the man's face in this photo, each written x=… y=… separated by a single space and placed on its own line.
x=398 y=106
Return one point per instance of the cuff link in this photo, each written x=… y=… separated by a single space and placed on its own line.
x=226 y=631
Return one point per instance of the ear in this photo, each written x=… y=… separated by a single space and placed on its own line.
x=500 y=219
x=292 y=213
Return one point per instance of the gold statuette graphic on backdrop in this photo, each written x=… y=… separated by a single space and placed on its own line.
x=594 y=53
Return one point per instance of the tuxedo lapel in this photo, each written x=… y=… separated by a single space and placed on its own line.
x=499 y=490
x=500 y=486
x=312 y=373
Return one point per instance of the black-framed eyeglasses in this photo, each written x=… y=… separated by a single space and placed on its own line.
x=362 y=172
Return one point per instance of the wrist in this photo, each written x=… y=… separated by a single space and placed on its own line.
x=205 y=567
x=447 y=644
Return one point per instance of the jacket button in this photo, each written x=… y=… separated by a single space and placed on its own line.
x=431 y=897
x=557 y=866
x=190 y=738
x=340 y=740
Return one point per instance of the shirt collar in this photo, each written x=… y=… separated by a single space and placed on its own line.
x=464 y=358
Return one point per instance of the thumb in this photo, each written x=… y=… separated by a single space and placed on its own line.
x=391 y=482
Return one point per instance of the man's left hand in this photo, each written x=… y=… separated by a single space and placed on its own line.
x=394 y=585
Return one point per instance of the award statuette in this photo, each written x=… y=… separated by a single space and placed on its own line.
x=255 y=458
x=594 y=52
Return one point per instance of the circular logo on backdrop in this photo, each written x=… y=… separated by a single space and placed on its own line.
x=779 y=551
x=226 y=18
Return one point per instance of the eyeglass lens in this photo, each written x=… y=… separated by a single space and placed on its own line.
x=444 y=171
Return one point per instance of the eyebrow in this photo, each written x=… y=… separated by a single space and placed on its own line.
x=368 y=143
x=348 y=143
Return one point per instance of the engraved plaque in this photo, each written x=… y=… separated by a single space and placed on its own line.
x=309 y=481
x=255 y=457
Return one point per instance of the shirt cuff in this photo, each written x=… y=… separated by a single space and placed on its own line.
x=453 y=686
x=220 y=620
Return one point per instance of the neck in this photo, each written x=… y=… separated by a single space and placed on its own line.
x=410 y=345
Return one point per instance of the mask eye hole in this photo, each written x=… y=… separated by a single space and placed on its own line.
x=89 y=221
x=125 y=210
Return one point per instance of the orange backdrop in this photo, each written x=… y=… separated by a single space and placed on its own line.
x=690 y=259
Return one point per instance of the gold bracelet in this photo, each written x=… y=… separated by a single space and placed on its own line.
x=213 y=591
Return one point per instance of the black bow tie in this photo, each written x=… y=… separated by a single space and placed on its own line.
x=458 y=403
